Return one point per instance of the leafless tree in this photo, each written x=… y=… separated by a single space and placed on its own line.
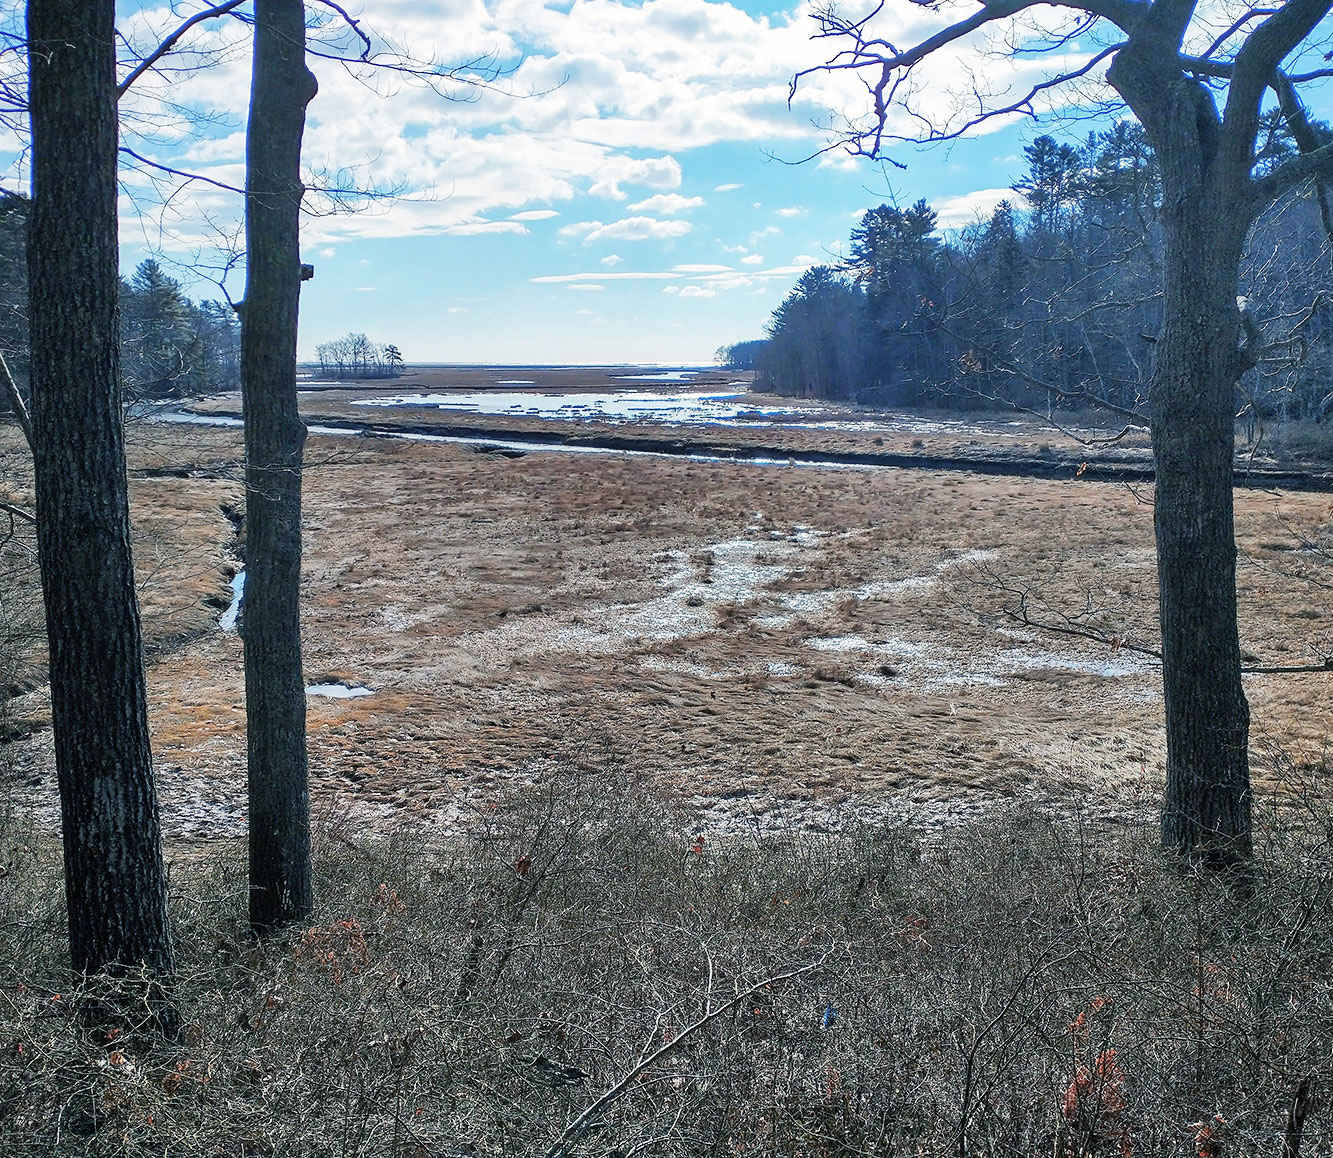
x=1197 y=81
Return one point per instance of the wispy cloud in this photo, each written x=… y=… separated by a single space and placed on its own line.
x=468 y=228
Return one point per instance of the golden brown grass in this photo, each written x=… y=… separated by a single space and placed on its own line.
x=788 y=643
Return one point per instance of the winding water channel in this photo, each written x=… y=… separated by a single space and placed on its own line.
x=694 y=425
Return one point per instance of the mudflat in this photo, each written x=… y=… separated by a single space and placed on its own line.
x=775 y=645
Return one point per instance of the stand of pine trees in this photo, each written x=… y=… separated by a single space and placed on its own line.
x=1052 y=303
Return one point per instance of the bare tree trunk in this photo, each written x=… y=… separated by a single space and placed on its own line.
x=1206 y=811
x=280 y=888
x=115 y=887
x=1206 y=211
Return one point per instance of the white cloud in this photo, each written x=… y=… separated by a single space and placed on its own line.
x=327 y=251
x=698 y=291
x=752 y=259
x=953 y=212
x=667 y=204
x=627 y=229
x=701 y=269
x=618 y=88
x=469 y=228
x=612 y=259
x=671 y=289
x=653 y=173
x=627 y=276
x=366 y=289
x=793 y=211
x=727 y=188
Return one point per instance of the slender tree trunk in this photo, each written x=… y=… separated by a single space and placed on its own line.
x=115 y=887
x=280 y=888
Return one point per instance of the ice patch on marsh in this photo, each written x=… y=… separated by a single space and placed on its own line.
x=894 y=647
x=337 y=691
x=608 y=406
x=227 y=621
x=697 y=584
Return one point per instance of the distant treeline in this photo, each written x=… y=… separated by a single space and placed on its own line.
x=1056 y=304
x=356 y=356
x=170 y=346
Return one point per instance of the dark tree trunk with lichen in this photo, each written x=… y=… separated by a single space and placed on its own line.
x=280 y=887
x=1200 y=359
x=115 y=887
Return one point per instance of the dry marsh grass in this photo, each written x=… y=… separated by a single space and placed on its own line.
x=810 y=646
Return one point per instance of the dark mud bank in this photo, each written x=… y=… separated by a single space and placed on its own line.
x=1014 y=466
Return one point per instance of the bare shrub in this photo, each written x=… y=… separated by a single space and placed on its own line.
x=1020 y=986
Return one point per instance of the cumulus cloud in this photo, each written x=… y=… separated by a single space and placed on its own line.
x=652 y=173
x=698 y=291
x=612 y=259
x=627 y=229
x=752 y=259
x=667 y=204
x=792 y=211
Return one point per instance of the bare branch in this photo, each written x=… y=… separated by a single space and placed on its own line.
x=11 y=393
x=181 y=173
x=18 y=513
x=1288 y=175
x=574 y=1132
x=1236 y=25
x=170 y=42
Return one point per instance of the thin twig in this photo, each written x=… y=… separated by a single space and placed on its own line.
x=573 y=1133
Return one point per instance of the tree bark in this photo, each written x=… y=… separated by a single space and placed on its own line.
x=115 y=887
x=280 y=886
x=1205 y=217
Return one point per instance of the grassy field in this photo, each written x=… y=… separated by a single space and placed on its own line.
x=778 y=646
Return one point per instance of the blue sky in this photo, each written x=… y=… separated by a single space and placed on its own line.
x=622 y=194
